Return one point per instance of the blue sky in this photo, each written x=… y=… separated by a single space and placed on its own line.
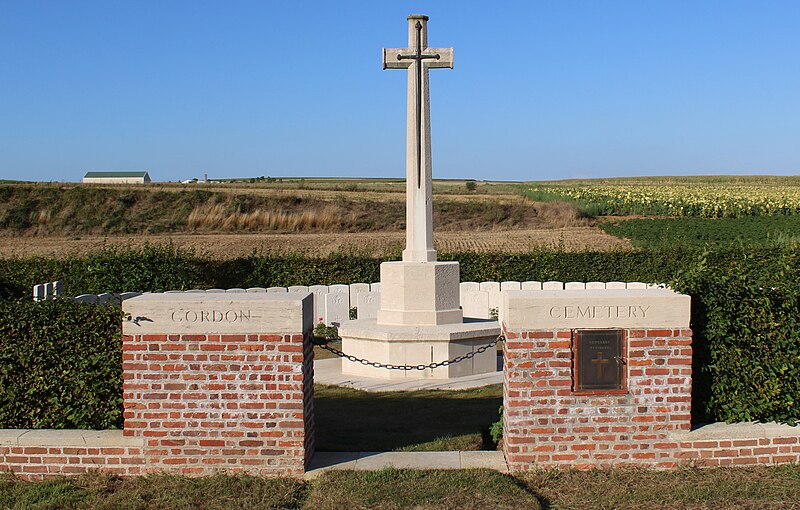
x=540 y=89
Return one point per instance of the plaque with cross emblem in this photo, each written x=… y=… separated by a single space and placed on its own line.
x=599 y=361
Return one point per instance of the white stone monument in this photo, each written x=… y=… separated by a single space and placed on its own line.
x=419 y=320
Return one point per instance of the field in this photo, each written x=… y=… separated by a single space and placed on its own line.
x=707 y=197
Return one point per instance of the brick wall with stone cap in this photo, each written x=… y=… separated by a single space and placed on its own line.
x=220 y=382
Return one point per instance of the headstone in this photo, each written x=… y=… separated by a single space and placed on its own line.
x=368 y=305
x=532 y=285
x=38 y=292
x=319 y=292
x=339 y=288
x=467 y=286
x=375 y=287
x=552 y=285
x=509 y=286
x=196 y=291
x=574 y=286
x=235 y=290
x=616 y=285
x=355 y=290
x=595 y=286
x=337 y=308
x=48 y=290
x=297 y=288
x=106 y=298
x=475 y=304
x=215 y=291
x=635 y=285
x=256 y=289
x=58 y=288
x=276 y=289
x=128 y=295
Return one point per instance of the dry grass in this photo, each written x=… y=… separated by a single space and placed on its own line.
x=218 y=217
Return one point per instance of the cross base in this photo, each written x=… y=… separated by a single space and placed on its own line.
x=420 y=294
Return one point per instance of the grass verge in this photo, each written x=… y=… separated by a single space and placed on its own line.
x=354 y=420
x=769 y=488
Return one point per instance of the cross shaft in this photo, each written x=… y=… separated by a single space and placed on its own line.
x=417 y=58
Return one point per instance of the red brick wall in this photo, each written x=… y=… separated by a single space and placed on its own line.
x=547 y=424
x=38 y=462
x=210 y=403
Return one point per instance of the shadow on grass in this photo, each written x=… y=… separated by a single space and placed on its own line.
x=354 y=420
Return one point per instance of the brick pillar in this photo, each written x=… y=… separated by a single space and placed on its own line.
x=220 y=382
x=548 y=421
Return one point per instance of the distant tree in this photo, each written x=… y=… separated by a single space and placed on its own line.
x=471 y=186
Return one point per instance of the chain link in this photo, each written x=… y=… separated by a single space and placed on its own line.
x=389 y=366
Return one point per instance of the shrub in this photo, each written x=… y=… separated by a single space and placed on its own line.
x=60 y=365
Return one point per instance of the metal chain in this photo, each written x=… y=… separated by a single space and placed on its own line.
x=389 y=366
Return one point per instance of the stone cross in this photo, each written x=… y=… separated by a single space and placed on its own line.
x=418 y=58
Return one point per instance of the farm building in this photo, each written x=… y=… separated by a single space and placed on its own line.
x=116 y=177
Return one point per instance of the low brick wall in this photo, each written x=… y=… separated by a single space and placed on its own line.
x=38 y=454
x=211 y=383
x=547 y=425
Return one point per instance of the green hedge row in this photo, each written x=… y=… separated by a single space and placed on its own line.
x=745 y=313
x=60 y=365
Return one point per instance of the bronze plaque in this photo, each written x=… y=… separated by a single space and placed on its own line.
x=599 y=364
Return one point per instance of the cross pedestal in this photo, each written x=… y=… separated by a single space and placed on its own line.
x=419 y=320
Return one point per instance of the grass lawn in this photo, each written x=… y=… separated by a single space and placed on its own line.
x=354 y=420
x=395 y=489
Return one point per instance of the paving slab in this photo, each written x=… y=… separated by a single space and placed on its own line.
x=329 y=371
x=374 y=461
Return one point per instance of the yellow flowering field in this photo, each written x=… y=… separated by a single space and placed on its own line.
x=710 y=199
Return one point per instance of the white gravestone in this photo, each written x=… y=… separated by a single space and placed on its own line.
x=368 y=305
x=337 y=308
x=355 y=290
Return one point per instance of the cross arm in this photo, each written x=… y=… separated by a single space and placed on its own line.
x=391 y=60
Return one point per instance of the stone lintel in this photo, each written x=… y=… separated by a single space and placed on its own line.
x=611 y=308
x=218 y=313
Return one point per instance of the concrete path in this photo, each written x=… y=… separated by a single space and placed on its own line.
x=329 y=371
x=373 y=461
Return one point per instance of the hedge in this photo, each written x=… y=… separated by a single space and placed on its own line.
x=60 y=365
x=745 y=315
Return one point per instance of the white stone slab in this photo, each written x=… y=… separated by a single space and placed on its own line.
x=277 y=289
x=475 y=304
x=218 y=313
x=635 y=285
x=490 y=286
x=616 y=285
x=595 y=286
x=469 y=286
x=616 y=308
x=355 y=290
x=58 y=288
x=337 y=308
x=298 y=288
x=48 y=290
x=235 y=290
x=375 y=287
x=531 y=285
x=38 y=292
x=574 y=286
x=552 y=285
x=339 y=288
x=319 y=292
x=368 y=305
x=510 y=285
x=256 y=289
